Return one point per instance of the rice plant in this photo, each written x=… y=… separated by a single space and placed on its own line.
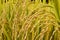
x=29 y=19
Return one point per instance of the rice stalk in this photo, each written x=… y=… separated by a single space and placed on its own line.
x=29 y=20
